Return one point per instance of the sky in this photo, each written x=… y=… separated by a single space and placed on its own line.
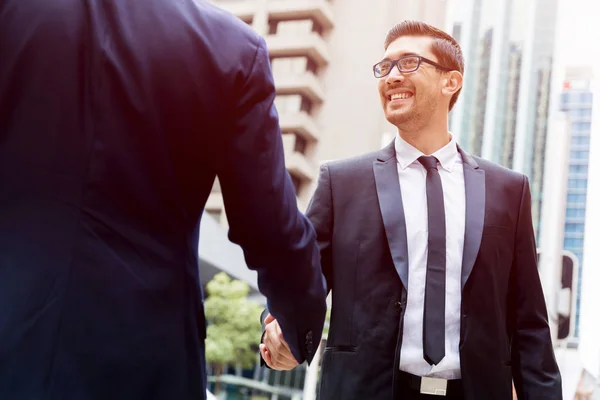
x=579 y=30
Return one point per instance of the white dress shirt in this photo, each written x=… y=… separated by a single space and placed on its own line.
x=414 y=198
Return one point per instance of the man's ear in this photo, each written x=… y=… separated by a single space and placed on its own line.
x=452 y=82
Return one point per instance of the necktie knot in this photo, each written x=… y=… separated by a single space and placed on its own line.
x=429 y=162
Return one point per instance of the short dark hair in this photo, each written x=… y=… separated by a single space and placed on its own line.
x=444 y=47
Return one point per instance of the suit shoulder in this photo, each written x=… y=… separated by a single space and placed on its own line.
x=352 y=164
x=499 y=171
x=226 y=30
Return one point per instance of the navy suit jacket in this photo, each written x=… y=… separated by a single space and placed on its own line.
x=504 y=332
x=115 y=118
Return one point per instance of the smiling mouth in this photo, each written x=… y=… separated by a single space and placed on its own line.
x=400 y=96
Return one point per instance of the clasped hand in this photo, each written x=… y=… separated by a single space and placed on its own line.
x=274 y=349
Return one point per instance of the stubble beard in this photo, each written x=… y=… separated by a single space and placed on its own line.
x=414 y=118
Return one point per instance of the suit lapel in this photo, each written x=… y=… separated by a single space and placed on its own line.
x=475 y=213
x=392 y=210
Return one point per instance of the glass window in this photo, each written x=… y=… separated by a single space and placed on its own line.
x=581 y=126
x=580 y=140
x=571 y=243
x=580 y=154
x=564 y=101
x=586 y=97
x=574 y=98
x=578 y=169
x=575 y=212
x=574 y=227
x=576 y=198
x=577 y=183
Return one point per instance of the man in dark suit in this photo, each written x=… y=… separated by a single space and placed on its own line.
x=115 y=118
x=429 y=253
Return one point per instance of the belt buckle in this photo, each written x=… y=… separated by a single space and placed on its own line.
x=434 y=386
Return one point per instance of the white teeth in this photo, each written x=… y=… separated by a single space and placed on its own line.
x=402 y=96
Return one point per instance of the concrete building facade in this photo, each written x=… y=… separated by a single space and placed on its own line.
x=321 y=56
x=503 y=110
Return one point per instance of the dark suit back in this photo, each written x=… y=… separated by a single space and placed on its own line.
x=115 y=118
x=359 y=218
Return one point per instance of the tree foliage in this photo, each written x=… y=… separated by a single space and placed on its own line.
x=327 y=322
x=234 y=328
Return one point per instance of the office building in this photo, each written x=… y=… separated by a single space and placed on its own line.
x=321 y=55
x=577 y=100
x=503 y=110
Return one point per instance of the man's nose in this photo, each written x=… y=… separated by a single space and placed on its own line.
x=395 y=76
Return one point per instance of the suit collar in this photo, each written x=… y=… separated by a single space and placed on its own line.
x=392 y=210
x=387 y=153
x=406 y=154
x=474 y=212
x=467 y=158
x=387 y=184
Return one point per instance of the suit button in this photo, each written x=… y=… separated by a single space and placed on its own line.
x=309 y=339
x=399 y=306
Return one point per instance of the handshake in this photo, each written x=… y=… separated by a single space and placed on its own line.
x=274 y=350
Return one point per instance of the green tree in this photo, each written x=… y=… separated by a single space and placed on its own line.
x=234 y=327
x=327 y=322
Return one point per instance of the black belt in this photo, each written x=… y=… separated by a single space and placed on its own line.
x=431 y=386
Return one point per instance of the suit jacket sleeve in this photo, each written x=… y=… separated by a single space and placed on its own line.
x=535 y=372
x=260 y=202
x=320 y=214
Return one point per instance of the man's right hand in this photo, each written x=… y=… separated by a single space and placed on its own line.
x=274 y=349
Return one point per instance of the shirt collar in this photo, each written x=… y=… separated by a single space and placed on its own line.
x=406 y=154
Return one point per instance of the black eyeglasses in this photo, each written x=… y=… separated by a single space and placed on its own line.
x=405 y=64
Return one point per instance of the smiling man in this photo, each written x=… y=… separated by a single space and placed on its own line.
x=428 y=252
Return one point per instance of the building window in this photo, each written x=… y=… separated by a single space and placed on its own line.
x=294 y=26
x=578 y=169
x=575 y=212
x=580 y=140
x=564 y=100
x=571 y=243
x=318 y=28
x=576 y=198
x=581 y=112
x=297 y=183
x=577 y=183
x=216 y=214
x=586 y=97
x=312 y=66
x=300 y=145
x=580 y=154
x=577 y=98
x=306 y=105
x=581 y=126
x=574 y=227
x=293 y=103
x=273 y=27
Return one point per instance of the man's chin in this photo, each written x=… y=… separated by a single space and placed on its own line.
x=397 y=118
